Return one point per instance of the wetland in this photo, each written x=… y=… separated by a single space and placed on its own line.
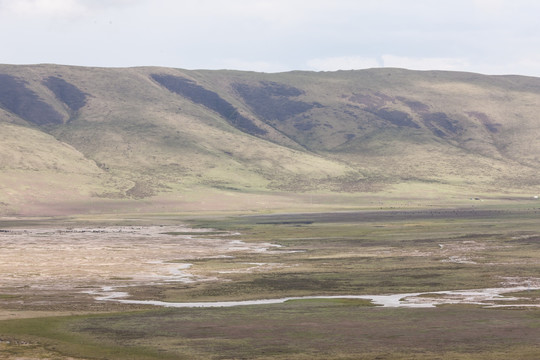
x=456 y=283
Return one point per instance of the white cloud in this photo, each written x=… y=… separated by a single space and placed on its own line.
x=491 y=7
x=526 y=65
x=60 y=8
x=275 y=35
x=342 y=63
x=531 y=65
x=47 y=8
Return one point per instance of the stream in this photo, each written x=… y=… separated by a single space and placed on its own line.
x=486 y=297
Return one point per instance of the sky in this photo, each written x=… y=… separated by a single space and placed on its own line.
x=484 y=36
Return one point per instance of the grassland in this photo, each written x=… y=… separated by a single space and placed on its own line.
x=322 y=253
x=156 y=133
x=204 y=186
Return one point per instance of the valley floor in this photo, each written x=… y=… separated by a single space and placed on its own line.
x=87 y=287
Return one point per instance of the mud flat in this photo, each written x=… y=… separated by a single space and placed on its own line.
x=67 y=260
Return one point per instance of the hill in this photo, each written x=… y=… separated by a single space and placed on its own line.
x=87 y=136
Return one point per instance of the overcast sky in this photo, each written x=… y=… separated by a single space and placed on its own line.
x=486 y=36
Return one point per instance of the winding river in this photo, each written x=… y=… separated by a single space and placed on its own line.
x=486 y=297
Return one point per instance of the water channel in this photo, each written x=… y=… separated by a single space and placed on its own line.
x=486 y=297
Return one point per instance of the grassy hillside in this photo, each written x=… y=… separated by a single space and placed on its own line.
x=98 y=135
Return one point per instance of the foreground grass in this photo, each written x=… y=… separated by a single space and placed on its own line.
x=52 y=336
x=297 y=330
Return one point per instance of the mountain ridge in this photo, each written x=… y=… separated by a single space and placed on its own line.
x=138 y=133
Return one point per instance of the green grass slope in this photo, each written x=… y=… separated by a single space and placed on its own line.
x=455 y=128
x=97 y=134
x=34 y=166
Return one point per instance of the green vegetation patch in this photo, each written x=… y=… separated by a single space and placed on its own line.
x=294 y=330
x=9 y=296
x=54 y=335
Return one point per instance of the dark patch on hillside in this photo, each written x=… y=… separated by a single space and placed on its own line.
x=490 y=125
x=305 y=125
x=372 y=101
x=199 y=95
x=415 y=106
x=271 y=101
x=20 y=100
x=140 y=190
x=276 y=89
x=440 y=124
x=68 y=93
x=396 y=117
